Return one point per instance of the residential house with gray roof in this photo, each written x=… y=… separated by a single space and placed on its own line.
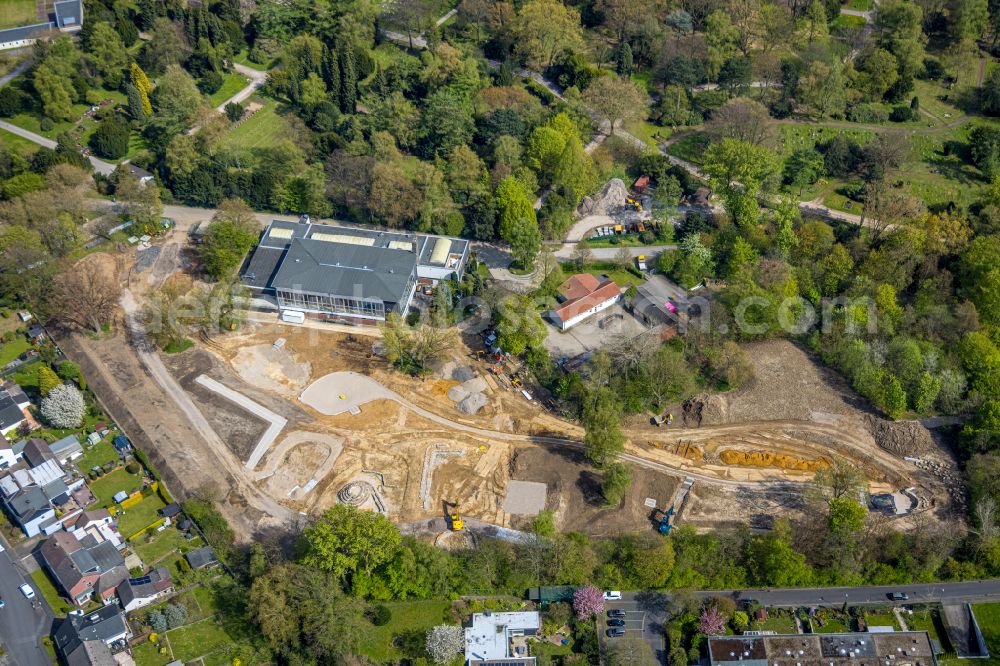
x=79 y=638
x=84 y=567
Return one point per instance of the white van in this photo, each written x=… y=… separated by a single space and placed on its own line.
x=293 y=316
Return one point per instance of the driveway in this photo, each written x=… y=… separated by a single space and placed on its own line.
x=589 y=336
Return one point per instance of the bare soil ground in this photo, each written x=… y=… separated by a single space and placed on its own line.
x=793 y=407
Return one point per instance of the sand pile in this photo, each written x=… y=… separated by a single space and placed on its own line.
x=611 y=198
x=770 y=459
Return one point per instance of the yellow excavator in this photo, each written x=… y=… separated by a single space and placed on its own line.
x=455 y=518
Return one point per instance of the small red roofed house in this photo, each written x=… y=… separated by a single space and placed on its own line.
x=583 y=295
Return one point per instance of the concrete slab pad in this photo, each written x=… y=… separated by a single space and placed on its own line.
x=340 y=392
x=525 y=497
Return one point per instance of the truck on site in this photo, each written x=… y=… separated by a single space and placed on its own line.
x=640 y=261
x=455 y=521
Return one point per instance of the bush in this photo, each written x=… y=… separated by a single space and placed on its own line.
x=210 y=82
x=867 y=113
x=132 y=468
x=234 y=111
x=381 y=616
x=46 y=125
x=111 y=138
x=11 y=101
x=175 y=615
x=158 y=621
x=68 y=370
x=901 y=114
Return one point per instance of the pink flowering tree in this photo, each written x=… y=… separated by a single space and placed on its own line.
x=588 y=601
x=711 y=622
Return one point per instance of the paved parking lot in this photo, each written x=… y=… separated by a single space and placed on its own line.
x=588 y=335
x=642 y=620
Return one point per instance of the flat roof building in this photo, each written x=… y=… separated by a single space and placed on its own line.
x=500 y=638
x=901 y=648
x=344 y=274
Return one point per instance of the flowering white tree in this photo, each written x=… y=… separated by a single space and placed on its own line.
x=444 y=642
x=63 y=407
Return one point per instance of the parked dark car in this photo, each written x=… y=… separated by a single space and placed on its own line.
x=616 y=622
x=615 y=632
x=616 y=612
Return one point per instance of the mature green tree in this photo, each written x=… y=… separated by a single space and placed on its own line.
x=518 y=222
x=347 y=542
x=631 y=652
x=233 y=231
x=616 y=100
x=740 y=170
x=447 y=122
x=111 y=138
x=519 y=326
x=544 y=28
x=108 y=55
x=167 y=47
x=615 y=484
x=604 y=440
x=55 y=91
x=176 y=97
x=979 y=270
x=773 y=561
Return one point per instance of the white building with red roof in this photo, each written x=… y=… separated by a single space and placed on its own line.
x=582 y=296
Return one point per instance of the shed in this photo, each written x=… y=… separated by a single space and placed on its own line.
x=36 y=333
x=120 y=496
x=201 y=558
x=122 y=443
x=551 y=593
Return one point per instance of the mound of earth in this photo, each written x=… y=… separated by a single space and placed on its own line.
x=611 y=198
x=472 y=403
x=904 y=438
x=705 y=409
x=771 y=459
x=463 y=373
x=271 y=368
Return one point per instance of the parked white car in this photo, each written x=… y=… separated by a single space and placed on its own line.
x=27 y=591
x=613 y=595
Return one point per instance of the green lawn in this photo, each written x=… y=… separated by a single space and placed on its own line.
x=831 y=626
x=859 y=5
x=988 y=617
x=134 y=518
x=232 y=83
x=148 y=654
x=262 y=130
x=108 y=486
x=163 y=543
x=621 y=277
x=882 y=618
x=14 y=13
x=33 y=123
x=690 y=147
x=407 y=616
x=783 y=624
x=848 y=21
x=11 y=350
x=48 y=589
x=195 y=640
x=18 y=144
x=97 y=455
x=243 y=59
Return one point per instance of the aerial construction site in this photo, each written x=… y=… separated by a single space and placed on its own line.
x=279 y=422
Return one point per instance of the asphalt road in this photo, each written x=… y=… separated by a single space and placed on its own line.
x=978 y=591
x=22 y=621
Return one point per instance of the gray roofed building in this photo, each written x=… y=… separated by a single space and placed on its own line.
x=82 y=567
x=69 y=13
x=24 y=35
x=11 y=415
x=329 y=268
x=347 y=274
x=144 y=590
x=67 y=448
x=30 y=508
x=910 y=648
x=105 y=626
x=37 y=451
x=199 y=558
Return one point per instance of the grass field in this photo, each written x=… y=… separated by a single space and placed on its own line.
x=232 y=83
x=783 y=624
x=407 y=616
x=831 y=626
x=195 y=640
x=621 y=277
x=264 y=129
x=33 y=123
x=988 y=617
x=17 y=12
x=97 y=455
x=48 y=589
x=858 y=5
x=690 y=147
x=108 y=486
x=848 y=21
x=11 y=350
x=161 y=545
x=139 y=516
x=17 y=144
